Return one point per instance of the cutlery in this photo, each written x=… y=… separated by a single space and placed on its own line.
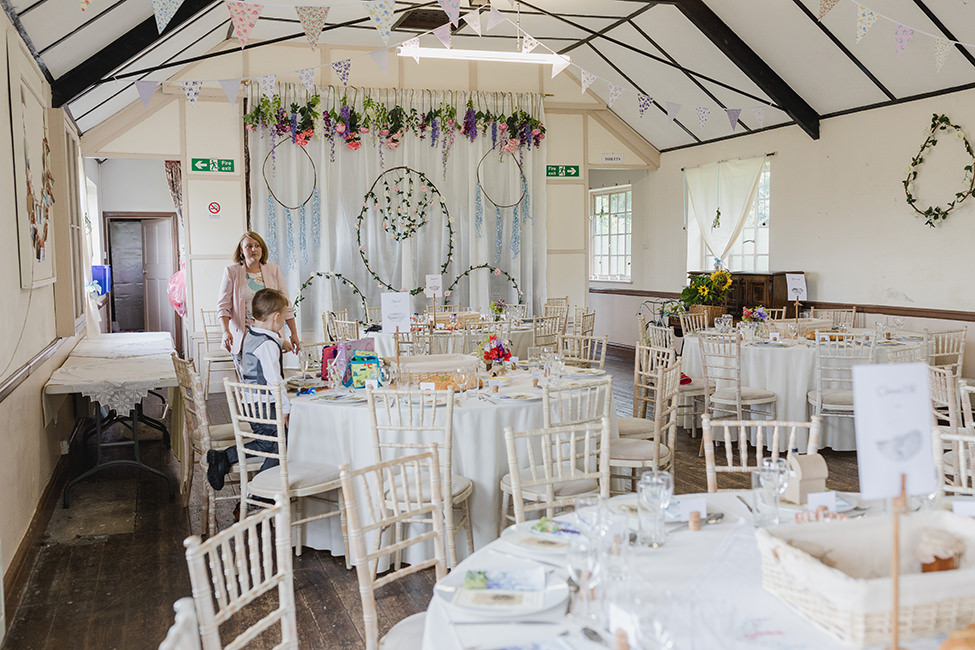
x=746 y=504
x=557 y=565
x=594 y=636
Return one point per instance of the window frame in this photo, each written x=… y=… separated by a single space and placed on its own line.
x=614 y=238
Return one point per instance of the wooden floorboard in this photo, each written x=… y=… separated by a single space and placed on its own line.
x=116 y=591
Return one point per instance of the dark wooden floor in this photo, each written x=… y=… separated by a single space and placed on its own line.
x=111 y=566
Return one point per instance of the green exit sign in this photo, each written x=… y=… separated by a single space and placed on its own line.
x=567 y=171
x=212 y=165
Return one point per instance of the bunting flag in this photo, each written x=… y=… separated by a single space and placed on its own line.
x=825 y=6
x=267 y=84
x=230 y=88
x=312 y=21
x=443 y=33
x=412 y=44
x=941 y=49
x=191 y=89
x=528 y=44
x=759 y=113
x=381 y=12
x=614 y=93
x=452 y=9
x=703 y=115
x=865 y=20
x=733 y=114
x=673 y=108
x=560 y=65
x=84 y=4
x=342 y=69
x=381 y=57
x=244 y=16
x=307 y=78
x=164 y=11
x=473 y=18
x=588 y=79
x=644 y=102
x=494 y=18
x=146 y=89
x=901 y=37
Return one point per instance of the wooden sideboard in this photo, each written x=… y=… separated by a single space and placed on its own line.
x=754 y=289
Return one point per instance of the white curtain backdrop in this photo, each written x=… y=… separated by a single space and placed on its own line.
x=729 y=185
x=301 y=245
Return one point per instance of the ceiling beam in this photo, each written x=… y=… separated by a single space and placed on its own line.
x=608 y=28
x=72 y=83
x=701 y=16
x=944 y=30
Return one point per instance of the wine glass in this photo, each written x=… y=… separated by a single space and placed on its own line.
x=583 y=563
x=463 y=380
x=589 y=512
x=898 y=323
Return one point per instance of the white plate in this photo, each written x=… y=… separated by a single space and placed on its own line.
x=594 y=372
x=627 y=506
x=515 y=397
x=555 y=594
x=340 y=398
x=532 y=543
x=844 y=503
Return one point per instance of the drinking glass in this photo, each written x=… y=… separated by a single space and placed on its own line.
x=653 y=496
x=898 y=323
x=769 y=482
x=583 y=562
x=881 y=330
x=719 y=323
x=463 y=380
x=793 y=330
x=535 y=354
x=334 y=375
x=589 y=513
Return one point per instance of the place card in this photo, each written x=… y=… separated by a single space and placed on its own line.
x=372 y=383
x=773 y=336
x=514 y=363
x=964 y=508
x=893 y=419
x=689 y=504
x=395 y=307
x=494 y=384
x=816 y=499
x=511 y=580
x=428 y=385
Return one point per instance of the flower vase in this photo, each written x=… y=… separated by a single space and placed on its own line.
x=710 y=312
x=487 y=365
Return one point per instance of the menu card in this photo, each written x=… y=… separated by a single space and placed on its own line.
x=396 y=312
x=796 y=286
x=434 y=287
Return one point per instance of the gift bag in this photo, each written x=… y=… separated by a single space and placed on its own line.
x=342 y=353
x=362 y=367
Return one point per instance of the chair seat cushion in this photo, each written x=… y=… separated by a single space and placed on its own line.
x=696 y=386
x=562 y=488
x=833 y=398
x=217 y=355
x=304 y=478
x=635 y=427
x=460 y=485
x=405 y=635
x=221 y=437
x=749 y=395
x=637 y=450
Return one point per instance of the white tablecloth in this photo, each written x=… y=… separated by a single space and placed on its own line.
x=125 y=344
x=521 y=340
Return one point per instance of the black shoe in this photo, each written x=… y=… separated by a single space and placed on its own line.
x=217 y=468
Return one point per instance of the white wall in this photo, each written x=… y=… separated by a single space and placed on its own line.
x=132 y=185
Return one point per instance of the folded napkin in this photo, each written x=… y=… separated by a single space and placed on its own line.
x=684 y=379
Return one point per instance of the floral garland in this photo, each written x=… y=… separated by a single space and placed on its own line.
x=494 y=269
x=516 y=131
x=933 y=214
x=408 y=216
x=404 y=224
x=331 y=276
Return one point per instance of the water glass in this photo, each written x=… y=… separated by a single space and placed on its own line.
x=769 y=482
x=719 y=323
x=583 y=562
x=793 y=330
x=653 y=496
x=590 y=513
x=898 y=323
x=535 y=354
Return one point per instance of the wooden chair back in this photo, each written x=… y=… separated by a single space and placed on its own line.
x=562 y=302
x=328 y=322
x=905 y=354
x=693 y=323
x=721 y=362
x=583 y=351
x=961 y=447
x=839 y=317
x=946 y=349
x=646 y=362
x=542 y=459
x=211 y=328
x=945 y=401
x=576 y=404
x=372 y=508
x=196 y=422
x=775 y=314
x=374 y=315
x=768 y=433
x=546 y=332
x=239 y=565
x=516 y=312
x=666 y=402
x=660 y=337
x=561 y=312
x=345 y=330
x=836 y=355
x=588 y=325
x=184 y=634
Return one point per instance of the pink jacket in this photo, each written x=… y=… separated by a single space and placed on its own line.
x=230 y=301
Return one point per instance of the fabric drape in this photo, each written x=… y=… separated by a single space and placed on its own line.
x=174 y=180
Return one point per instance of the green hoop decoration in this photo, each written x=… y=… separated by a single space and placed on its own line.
x=934 y=214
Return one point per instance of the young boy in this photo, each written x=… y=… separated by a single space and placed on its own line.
x=260 y=363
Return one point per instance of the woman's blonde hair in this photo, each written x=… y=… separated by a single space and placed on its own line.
x=250 y=234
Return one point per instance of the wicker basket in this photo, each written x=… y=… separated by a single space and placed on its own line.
x=851 y=604
x=710 y=312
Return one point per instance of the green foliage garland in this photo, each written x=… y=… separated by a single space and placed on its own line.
x=933 y=214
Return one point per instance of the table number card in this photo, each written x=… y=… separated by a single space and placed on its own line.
x=796 y=286
x=434 y=286
x=396 y=312
x=428 y=385
x=773 y=336
x=690 y=504
x=892 y=413
x=816 y=499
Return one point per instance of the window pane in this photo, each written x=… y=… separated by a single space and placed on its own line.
x=629 y=201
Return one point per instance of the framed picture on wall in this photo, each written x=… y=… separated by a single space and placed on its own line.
x=33 y=181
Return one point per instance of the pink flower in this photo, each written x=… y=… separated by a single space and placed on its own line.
x=384 y=132
x=364 y=204
x=340 y=127
x=423 y=188
x=502 y=127
x=250 y=127
x=497 y=271
x=514 y=141
x=362 y=248
x=541 y=137
x=363 y=129
x=392 y=144
x=353 y=145
x=536 y=131
x=446 y=293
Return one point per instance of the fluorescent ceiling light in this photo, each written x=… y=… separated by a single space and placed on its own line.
x=485 y=55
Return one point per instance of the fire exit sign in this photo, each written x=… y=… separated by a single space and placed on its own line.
x=212 y=165
x=567 y=171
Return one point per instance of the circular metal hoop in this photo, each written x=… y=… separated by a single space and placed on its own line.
x=521 y=173
x=314 y=174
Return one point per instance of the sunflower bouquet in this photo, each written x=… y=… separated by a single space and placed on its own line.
x=707 y=289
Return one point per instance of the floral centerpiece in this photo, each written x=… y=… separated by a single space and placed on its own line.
x=754 y=315
x=492 y=349
x=498 y=308
x=705 y=293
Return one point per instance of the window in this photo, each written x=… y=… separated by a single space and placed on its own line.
x=611 y=216
x=750 y=250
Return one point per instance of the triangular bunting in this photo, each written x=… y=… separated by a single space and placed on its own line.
x=902 y=35
x=381 y=12
x=703 y=115
x=267 y=84
x=312 y=21
x=412 y=44
x=191 y=89
x=588 y=79
x=342 y=70
x=381 y=57
x=146 y=89
x=528 y=43
x=473 y=18
x=733 y=115
x=164 y=11
x=673 y=108
x=84 y=4
x=307 y=78
x=759 y=113
x=452 y=9
x=244 y=16
x=643 y=103
x=941 y=49
x=560 y=65
x=230 y=88
x=443 y=33
x=825 y=6
x=614 y=93
x=494 y=18
x=865 y=20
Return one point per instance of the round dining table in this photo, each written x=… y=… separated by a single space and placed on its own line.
x=521 y=339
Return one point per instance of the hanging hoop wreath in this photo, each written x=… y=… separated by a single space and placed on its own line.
x=403 y=208
x=314 y=175
x=493 y=269
x=521 y=173
x=935 y=214
x=331 y=276
x=402 y=225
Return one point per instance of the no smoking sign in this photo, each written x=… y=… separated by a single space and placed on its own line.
x=214 y=209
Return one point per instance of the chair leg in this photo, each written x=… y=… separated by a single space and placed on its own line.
x=300 y=537
x=206 y=384
x=469 y=525
x=505 y=504
x=345 y=533
x=450 y=531
x=397 y=536
x=186 y=474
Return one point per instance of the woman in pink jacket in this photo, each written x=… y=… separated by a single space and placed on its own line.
x=249 y=274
